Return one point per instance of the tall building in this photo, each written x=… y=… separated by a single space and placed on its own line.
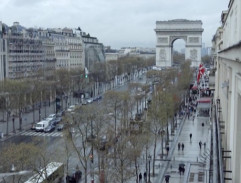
x=25 y=54
x=3 y=53
x=94 y=51
x=227 y=59
x=67 y=47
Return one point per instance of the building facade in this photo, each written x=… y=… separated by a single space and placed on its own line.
x=227 y=59
x=94 y=51
x=3 y=55
x=27 y=52
x=67 y=48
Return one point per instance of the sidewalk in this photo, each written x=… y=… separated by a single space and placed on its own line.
x=192 y=157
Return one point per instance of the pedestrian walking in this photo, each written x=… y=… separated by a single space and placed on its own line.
x=180 y=170
x=167 y=178
x=167 y=149
x=140 y=177
x=183 y=170
x=193 y=118
x=182 y=146
x=200 y=145
x=145 y=176
x=204 y=144
x=190 y=136
x=179 y=146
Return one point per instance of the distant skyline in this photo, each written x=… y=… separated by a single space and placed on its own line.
x=116 y=23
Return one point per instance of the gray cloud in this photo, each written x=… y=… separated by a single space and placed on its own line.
x=114 y=22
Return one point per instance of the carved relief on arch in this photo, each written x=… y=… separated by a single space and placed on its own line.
x=163 y=55
x=193 y=54
x=163 y=40
x=193 y=39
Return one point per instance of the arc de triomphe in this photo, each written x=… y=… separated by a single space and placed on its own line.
x=169 y=31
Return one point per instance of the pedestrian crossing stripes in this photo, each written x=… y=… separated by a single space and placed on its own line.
x=52 y=134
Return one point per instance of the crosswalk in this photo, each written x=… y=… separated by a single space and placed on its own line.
x=52 y=134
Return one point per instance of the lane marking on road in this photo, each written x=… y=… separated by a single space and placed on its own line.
x=52 y=134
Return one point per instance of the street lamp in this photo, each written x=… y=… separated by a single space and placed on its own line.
x=149 y=160
x=13 y=125
x=39 y=112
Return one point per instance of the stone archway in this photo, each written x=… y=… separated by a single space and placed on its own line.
x=169 y=31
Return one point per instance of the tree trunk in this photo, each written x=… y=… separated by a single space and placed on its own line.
x=162 y=145
x=33 y=114
x=20 y=119
x=136 y=167
x=154 y=157
x=14 y=125
x=85 y=168
x=7 y=123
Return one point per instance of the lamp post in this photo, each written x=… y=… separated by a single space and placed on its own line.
x=39 y=112
x=149 y=173
x=13 y=125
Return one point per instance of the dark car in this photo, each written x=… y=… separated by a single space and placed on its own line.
x=49 y=128
x=60 y=127
x=58 y=119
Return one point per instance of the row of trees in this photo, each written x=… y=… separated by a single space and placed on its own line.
x=17 y=96
x=102 y=138
x=120 y=158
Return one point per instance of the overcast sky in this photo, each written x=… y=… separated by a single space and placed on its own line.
x=116 y=23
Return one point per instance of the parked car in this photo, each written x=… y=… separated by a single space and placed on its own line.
x=49 y=128
x=95 y=98
x=84 y=102
x=60 y=127
x=52 y=121
x=89 y=100
x=71 y=108
x=52 y=116
x=58 y=119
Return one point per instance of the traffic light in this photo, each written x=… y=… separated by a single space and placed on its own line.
x=86 y=72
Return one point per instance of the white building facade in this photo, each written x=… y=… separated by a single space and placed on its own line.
x=227 y=59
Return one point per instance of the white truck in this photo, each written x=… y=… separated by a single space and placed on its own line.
x=40 y=126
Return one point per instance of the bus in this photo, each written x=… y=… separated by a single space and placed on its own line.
x=52 y=173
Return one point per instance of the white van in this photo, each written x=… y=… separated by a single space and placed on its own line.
x=40 y=126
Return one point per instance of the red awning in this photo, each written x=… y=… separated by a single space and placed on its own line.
x=204 y=100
